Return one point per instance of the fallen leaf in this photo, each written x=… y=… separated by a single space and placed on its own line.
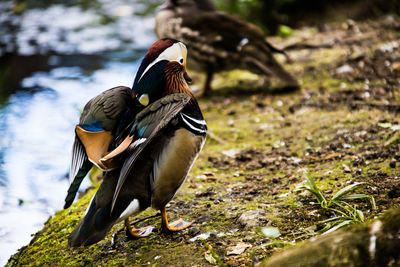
x=270 y=232
x=331 y=156
x=230 y=152
x=238 y=249
x=210 y=258
x=385 y=124
x=200 y=237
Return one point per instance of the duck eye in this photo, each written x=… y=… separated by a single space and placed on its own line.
x=181 y=60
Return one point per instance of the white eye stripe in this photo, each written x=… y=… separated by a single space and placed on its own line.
x=175 y=52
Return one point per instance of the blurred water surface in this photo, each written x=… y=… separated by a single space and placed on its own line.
x=57 y=57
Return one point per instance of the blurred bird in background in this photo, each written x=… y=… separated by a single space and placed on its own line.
x=145 y=138
x=218 y=41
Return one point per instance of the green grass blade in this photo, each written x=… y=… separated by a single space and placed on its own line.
x=277 y=243
x=357 y=196
x=345 y=191
x=362 y=196
x=310 y=181
x=350 y=211
x=338 y=211
x=335 y=219
x=315 y=190
x=373 y=204
x=360 y=215
x=340 y=225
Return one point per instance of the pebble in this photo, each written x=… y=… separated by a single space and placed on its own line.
x=250 y=218
x=392 y=163
x=329 y=191
x=194 y=230
x=275 y=180
x=346 y=168
x=344 y=69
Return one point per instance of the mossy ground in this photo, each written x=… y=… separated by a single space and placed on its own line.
x=342 y=127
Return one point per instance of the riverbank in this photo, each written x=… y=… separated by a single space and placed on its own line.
x=342 y=128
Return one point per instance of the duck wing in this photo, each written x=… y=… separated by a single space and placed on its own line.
x=94 y=133
x=148 y=124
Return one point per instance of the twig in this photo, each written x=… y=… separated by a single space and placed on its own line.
x=216 y=138
x=300 y=46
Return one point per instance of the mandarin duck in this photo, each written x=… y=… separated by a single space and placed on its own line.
x=218 y=41
x=146 y=139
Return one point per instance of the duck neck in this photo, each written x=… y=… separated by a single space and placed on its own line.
x=176 y=83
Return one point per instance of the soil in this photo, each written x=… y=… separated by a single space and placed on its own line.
x=342 y=127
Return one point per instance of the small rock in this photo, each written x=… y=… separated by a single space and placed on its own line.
x=275 y=180
x=261 y=105
x=237 y=174
x=322 y=27
x=344 y=69
x=346 y=168
x=392 y=163
x=231 y=112
x=231 y=152
x=394 y=192
x=396 y=66
x=329 y=191
x=194 y=230
x=335 y=145
x=253 y=165
x=209 y=191
x=389 y=47
x=346 y=146
x=250 y=219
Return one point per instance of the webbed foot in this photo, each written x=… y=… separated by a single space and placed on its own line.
x=137 y=232
x=172 y=227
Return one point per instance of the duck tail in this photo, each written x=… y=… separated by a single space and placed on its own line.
x=260 y=59
x=93 y=228
x=76 y=182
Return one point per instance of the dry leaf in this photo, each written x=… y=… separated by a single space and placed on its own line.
x=230 y=152
x=238 y=249
x=210 y=258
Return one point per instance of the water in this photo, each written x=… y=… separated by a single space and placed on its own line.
x=80 y=56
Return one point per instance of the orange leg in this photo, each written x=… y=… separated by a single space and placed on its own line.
x=137 y=232
x=172 y=227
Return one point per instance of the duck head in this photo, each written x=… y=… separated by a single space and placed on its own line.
x=162 y=71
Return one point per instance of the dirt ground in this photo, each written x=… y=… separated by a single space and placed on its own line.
x=342 y=127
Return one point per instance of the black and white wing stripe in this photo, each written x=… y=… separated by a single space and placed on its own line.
x=195 y=126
